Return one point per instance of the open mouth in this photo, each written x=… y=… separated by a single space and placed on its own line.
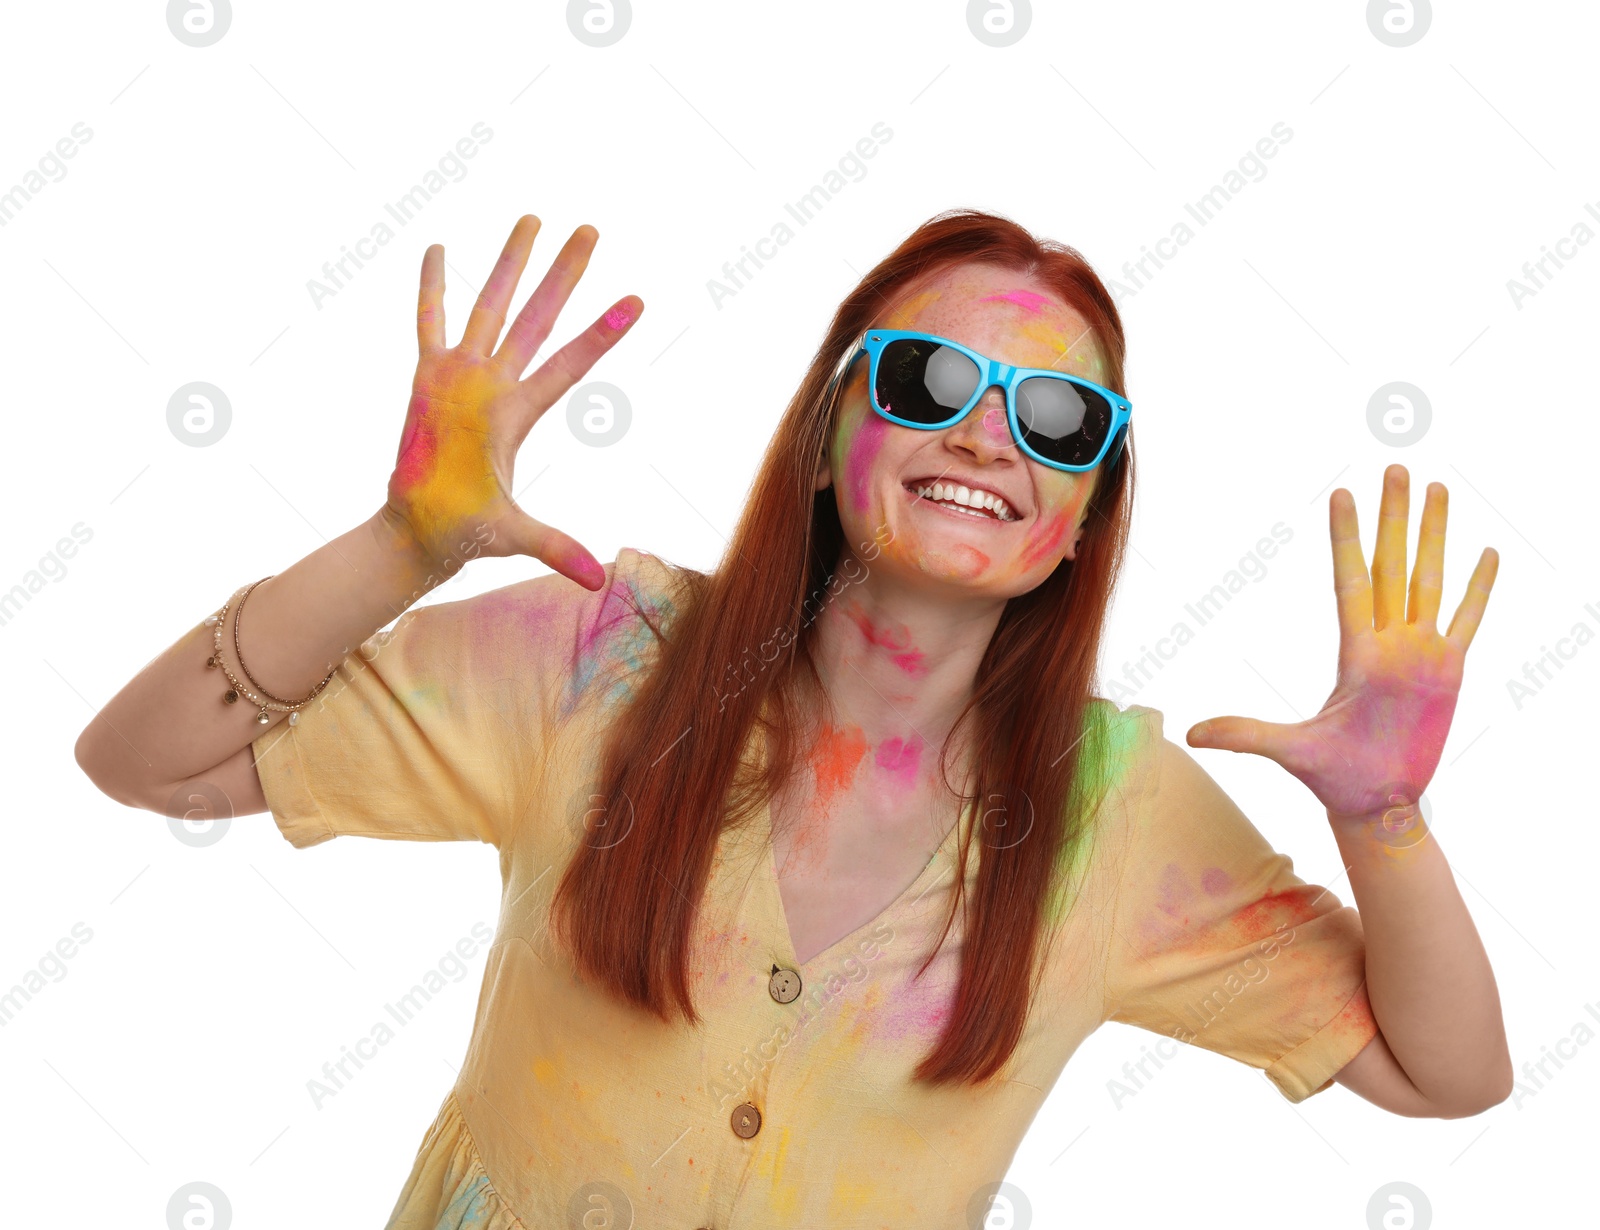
x=964 y=501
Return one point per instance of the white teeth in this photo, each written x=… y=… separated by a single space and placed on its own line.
x=967 y=500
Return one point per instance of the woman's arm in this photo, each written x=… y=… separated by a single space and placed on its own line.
x=1441 y=1047
x=169 y=725
x=1368 y=756
x=449 y=500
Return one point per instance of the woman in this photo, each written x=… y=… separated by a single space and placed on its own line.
x=819 y=867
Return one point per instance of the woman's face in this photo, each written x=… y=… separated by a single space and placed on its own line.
x=876 y=466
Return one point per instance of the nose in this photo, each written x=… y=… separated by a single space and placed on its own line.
x=984 y=433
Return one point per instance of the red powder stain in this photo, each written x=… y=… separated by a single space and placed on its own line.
x=996 y=424
x=619 y=316
x=1216 y=881
x=898 y=642
x=900 y=758
x=863 y=452
x=1028 y=299
x=1357 y=1017
x=1045 y=540
x=976 y=558
x=418 y=448
x=1292 y=905
x=834 y=760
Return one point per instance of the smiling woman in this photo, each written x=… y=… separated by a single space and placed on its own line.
x=809 y=945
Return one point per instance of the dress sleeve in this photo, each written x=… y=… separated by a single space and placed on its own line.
x=436 y=729
x=1218 y=943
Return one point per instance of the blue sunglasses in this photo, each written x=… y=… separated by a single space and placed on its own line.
x=928 y=382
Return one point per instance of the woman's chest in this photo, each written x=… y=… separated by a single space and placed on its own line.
x=842 y=862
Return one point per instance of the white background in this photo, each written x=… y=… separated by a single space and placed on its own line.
x=178 y=247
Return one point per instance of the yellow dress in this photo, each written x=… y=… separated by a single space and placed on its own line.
x=792 y=1105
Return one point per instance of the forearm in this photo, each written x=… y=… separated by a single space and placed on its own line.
x=169 y=722
x=1429 y=981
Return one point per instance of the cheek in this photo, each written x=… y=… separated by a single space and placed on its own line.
x=1046 y=537
x=1051 y=534
x=860 y=450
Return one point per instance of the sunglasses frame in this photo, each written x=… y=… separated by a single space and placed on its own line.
x=991 y=372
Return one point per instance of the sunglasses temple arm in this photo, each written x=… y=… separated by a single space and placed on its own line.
x=845 y=363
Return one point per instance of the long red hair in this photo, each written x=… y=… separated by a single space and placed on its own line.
x=625 y=911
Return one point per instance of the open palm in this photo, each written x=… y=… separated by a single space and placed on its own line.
x=1380 y=733
x=471 y=408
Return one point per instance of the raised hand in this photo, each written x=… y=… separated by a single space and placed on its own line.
x=1378 y=738
x=471 y=409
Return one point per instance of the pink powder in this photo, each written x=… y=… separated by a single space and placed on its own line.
x=899 y=758
x=1028 y=299
x=862 y=453
x=1216 y=881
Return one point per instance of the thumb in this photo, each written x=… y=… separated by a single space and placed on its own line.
x=520 y=534
x=1238 y=734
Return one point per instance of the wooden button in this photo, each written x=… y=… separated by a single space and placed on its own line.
x=746 y=1120
x=784 y=985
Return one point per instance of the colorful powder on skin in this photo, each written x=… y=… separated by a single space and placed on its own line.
x=860 y=451
x=1044 y=539
x=1030 y=300
x=904 y=317
x=898 y=643
x=834 y=759
x=994 y=422
x=900 y=759
x=444 y=468
x=975 y=559
x=619 y=316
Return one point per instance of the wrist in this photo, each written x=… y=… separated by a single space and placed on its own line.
x=1393 y=831
x=413 y=569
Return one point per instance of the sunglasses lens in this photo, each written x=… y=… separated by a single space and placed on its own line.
x=1061 y=420
x=923 y=382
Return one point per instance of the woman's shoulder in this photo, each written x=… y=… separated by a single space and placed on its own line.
x=636 y=582
x=1121 y=739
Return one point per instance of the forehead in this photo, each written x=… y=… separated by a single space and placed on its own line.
x=1002 y=314
x=1008 y=316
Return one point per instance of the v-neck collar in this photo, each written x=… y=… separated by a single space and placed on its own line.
x=783 y=942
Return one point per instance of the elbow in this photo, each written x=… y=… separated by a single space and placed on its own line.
x=1495 y=1087
x=84 y=752
x=90 y=753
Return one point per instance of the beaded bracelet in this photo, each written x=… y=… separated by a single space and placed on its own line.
x=266 y=701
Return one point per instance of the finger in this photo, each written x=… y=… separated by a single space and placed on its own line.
x=563 y=553
x=1427 y=579
x=538 y=316
x=489 y=312
x=568 y=365
x=1389 y=553
x=430 y=300
x=1351 y=590
x=1464 y=625
x=1242 y=734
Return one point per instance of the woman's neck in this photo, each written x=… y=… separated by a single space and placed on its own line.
x=899 y=662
